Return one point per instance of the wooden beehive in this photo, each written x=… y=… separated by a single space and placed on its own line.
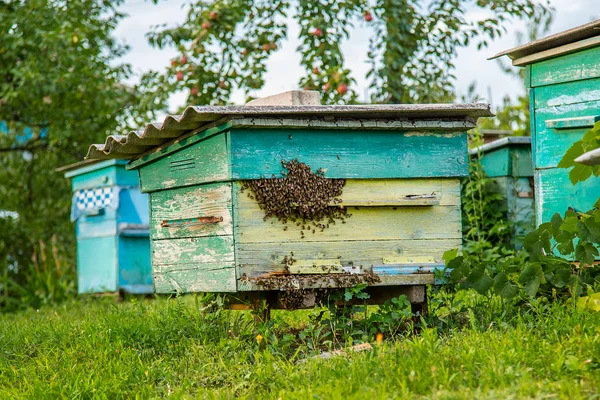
x=111 y=218
x=563 y=78
x=508 y=162
x=402 y=165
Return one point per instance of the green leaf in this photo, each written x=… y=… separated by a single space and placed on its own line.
x=586 y=253
x=561 y=277
x=568 y=160
x=503 y=287
x=449 y=255
x=480 y=280
x=531 y=277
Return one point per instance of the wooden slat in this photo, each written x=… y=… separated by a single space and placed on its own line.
x=354 y=154
x=572 y=123
x=194 y=264
x=567 y=93
x=173 y=209
x=567 y=68
x=386 y=191
x=210 y=250
x=202 y=162
x=555 y=193
x=549 y=144
x=255 y=259
x=366 y=223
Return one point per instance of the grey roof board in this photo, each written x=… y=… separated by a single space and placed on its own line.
x=576 y=34
x=590 y=158
x=496 y=144
x=135 y=143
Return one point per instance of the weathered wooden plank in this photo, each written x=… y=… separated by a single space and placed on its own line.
x=255 y=259
x=217 y=279
x=103 y=177
x=551 y=144
x=349 y=124
x=521 y=162
x=353 y=154
x=204 y=161
x=497 y=162
x=555 y=193
x=366 y=223
x=191 y=211
x=327 y=281
x=318 y=266
x=211 y=250
x=567 y=68
x=385 y=191
x=567 y=93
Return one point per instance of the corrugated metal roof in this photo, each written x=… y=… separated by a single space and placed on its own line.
x=496 y=144
x=576 y=34
x=135 y=143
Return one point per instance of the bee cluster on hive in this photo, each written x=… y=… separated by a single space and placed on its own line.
x=300 y=196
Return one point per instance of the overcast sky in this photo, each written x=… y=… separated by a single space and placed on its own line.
x=284 y=65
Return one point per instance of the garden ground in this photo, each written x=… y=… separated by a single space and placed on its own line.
x=97 y=348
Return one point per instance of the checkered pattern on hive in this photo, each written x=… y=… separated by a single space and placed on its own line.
x=86 y=201
x=94 y=199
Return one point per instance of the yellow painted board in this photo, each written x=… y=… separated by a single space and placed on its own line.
x=365 y=224
x=191 y=211
x=255 y=259
x=318 y=266
x=409 y=260
x=387 y=191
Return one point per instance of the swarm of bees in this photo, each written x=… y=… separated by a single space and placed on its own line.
x=300 y=196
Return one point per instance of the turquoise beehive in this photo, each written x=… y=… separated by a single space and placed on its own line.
x=563 y=78
x=399 y=167
x=507 y=162
x=111 y=219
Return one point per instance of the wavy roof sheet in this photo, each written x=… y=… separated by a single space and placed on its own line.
x=135 y=143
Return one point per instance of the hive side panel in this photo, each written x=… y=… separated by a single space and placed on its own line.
x=135 y=274
x=567 y=93
x=97 y=264
x=567 y=68
x=201 y=162
x=374 y=235
x=521 y=162
x=191 y=211
x=555 y=193
x=552 y=143
x=103 y=177
x=204 y=264
x=496 y=163
x=349 y=154
x=192 y=239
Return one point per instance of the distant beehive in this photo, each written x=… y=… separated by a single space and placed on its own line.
x=401 y=164
x=111 y=217
x=508 y=162
x=563 y=76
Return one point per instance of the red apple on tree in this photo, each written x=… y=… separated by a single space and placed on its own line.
x=183 y=60
x=206 y=25
x=173 y=63
x=342 y=88
x=213 y=15
x=326 y=87
x=368 y=16
x=317 y=32
x=194 y=91
x=266 y=47
x=179 y=75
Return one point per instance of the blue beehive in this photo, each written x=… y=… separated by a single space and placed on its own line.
x=111 y=217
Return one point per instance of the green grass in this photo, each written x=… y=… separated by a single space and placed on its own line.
x=95 y=348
